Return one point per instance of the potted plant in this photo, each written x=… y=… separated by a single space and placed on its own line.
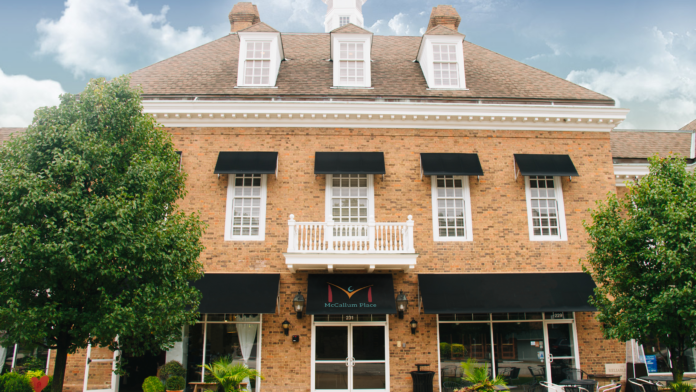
x=176 y=384
x=477 y=376
x=230 y=375
x=153 y=384
x=172 y=368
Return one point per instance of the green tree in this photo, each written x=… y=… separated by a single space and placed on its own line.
x=643 y=259
x=92 y=242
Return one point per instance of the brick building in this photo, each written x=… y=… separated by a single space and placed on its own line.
x=342 y=173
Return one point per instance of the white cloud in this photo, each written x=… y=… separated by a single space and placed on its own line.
x=398 y=24
x=307 y=13
x=665 y=79
x=20 y=95
x=376 y=27
x=112 y=37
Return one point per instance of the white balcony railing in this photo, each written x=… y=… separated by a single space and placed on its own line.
x=336 y=237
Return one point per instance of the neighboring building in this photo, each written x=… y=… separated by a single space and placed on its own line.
x=360 y=170
x=6 y=133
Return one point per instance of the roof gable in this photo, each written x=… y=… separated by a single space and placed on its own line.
x=689 y=127
x=350 y=29
x=442 y=30
x=259 y=28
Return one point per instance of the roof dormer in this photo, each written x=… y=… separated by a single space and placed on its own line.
x=350 y=52
x=441 y=53
x=260 y=56
x=341 y=12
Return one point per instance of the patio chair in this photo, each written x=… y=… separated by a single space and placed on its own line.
x=576 y=374
x=551 y=387
x=610 y=388
x=538 y=375
x=574 y=389
x=451 y=386
x=639 y=385
x=510 y=373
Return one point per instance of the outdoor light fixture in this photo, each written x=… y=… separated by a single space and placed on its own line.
x=298 y=304
x=286 y=327
x=414 y=325
x=401 y=304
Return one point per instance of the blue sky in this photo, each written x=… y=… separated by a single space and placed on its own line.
x=641 y=53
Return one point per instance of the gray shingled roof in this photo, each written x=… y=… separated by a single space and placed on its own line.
x=644 y=144
x=211 y=70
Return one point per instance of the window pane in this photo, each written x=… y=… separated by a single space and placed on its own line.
x=450 y=194
x=544 y=204
x=246 y=203
x=459 y=342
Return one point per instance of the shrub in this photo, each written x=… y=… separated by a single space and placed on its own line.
x=445 y=350
x=176 y=383
x=31 y=363
x=681 y=387
x=153 y=384
x=39 y=374
x=15 y=382
x=172 y=368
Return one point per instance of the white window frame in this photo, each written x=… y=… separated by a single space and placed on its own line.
x=366 y=41
x=247 y=60
x=340 y=20
x=276 y=54
x=328 y=212
x=262 y=213
x=455 y=62
x=468 y=234
x=558 y=188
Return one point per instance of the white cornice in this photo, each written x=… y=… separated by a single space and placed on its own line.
x=332 y=114
x=625 y=172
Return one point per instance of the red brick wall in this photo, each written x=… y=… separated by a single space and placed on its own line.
x=499 y=215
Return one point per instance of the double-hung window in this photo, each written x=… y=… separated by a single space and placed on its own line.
x=257 y=68
x=445 y=65
x=451 y=208
x=350 y=199
x=546 y=213
x=352 y=63
x=246 y=207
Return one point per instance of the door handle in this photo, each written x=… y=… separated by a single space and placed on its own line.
x=347 y=361
x=550 y=357
x=352 y=361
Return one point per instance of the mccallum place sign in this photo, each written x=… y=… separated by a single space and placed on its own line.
x=350 y=294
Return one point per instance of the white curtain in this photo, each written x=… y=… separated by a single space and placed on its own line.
x=3 y=355
x=247 y=335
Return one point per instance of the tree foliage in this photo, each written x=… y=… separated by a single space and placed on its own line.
x=92 y=242
x=643 y=259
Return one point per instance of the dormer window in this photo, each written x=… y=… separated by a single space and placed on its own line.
x=343 y=20
x=350 y=53
x=352 y=64
x=445 y=65
x=260 y=56
x=258 y=63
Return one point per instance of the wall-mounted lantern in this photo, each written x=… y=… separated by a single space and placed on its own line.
x=286 y=327
x=401 y=304
x=298 y=304
x=414 y=325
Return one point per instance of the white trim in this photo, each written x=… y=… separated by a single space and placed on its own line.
x=356 y=262
x=114 y=377
x=563 y=235
x=228 y=212
x=625 y=172
x=693 y=145
x=332 y=114
x=468 y=234
x=426 y=59
x=328 y=212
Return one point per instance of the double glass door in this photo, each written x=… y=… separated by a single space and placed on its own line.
x=349 y=357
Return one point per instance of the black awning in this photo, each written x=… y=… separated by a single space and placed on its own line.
x=450 y=164
x=238 y=293
x=246 y=162
x=349 y=163
x=506 y=293
x=545 y=165
x=351 y=294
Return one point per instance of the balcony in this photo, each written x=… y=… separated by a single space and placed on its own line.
x=336 y=246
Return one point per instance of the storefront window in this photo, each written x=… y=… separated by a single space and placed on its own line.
x=460 y=342
x=28 y=357
x=519 y=347
x=219 y=335
x=658 y=358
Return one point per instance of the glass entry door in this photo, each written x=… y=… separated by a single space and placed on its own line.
x=350 y=357
x=560 y=353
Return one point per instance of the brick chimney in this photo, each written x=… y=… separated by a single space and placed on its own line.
x=444 y=15
x=243 y=15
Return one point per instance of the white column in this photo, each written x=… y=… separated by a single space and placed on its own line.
x=409 y=235
x=371 y=232
x=292 y=238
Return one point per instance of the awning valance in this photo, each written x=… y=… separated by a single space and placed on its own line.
x=545 y=165
x=238 y=293
x=349 y=163
x=451 y=164
x=247 y=162
x=506 y=293
x=350 y=294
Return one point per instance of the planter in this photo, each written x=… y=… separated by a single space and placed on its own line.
x=175 y=391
